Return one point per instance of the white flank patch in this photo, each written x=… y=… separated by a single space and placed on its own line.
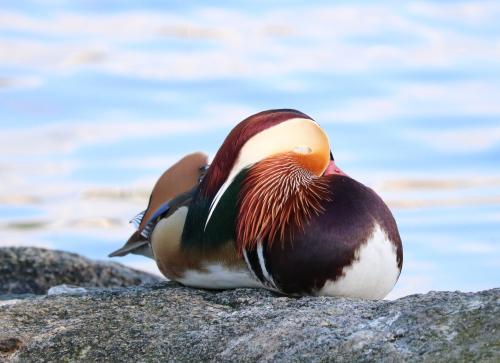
x=219 y=277
x=373 y=273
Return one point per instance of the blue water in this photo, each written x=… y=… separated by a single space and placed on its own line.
x=96 y=100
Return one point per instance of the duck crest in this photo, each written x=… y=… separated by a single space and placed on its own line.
x=198 y=232
x=228 y=153
x=278 y=197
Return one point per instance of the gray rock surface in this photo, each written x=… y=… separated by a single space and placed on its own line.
x=167 y=322
x=30 y=270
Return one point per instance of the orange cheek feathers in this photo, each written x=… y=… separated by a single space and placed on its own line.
x=316 y=162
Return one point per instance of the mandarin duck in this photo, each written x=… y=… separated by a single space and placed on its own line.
x=272 y=210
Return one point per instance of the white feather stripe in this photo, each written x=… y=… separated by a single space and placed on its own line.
x=262 y=263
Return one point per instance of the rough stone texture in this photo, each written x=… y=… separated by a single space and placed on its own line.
x=29 y=270
x=167 y=322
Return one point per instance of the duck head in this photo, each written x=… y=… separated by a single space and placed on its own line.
x=261 y=136
x=282 y=154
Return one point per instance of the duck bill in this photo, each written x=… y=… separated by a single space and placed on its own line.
x=333 y=169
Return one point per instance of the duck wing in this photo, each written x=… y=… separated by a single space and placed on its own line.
x=173 y=189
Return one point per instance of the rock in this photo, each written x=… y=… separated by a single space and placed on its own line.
x=29 y=270
x=168 y=322
x=66 y=289
x=9 y=345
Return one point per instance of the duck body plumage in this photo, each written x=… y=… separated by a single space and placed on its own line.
x=277 y=213
x=352 y=248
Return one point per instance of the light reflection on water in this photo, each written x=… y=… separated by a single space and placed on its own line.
x=90 y=117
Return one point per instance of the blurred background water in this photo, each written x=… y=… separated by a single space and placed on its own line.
x=98 y=98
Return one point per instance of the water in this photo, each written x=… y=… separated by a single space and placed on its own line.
x=97 y=100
